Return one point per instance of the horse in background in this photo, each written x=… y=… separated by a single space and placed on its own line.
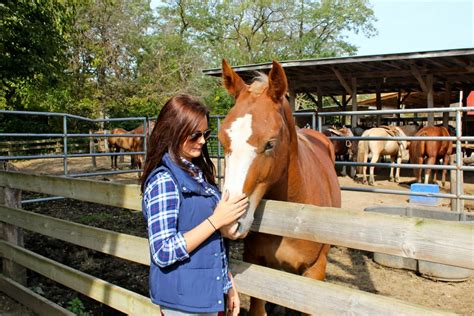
x=431 y=150
x=396 y=150
x=116 y=143
x=343 y=149
x=138 y=160
x=266 y=157
x=129 y=143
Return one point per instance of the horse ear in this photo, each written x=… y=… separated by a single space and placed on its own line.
x=232 y=81
x=277 y=83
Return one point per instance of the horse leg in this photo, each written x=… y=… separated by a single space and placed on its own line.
x=397 y=173
x=364 y=169
x=318 y=270
x=344 y=169
x=443 y=173
x=392 y=161
x=429 y=161
x=375 y=158
x=133 y=161
x=257 y=307
x=113 y=159
x=343 y=172
x=419 y=161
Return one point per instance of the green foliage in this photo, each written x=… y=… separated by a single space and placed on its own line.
x=77 y=307
x=33 y=44
x=117 y=58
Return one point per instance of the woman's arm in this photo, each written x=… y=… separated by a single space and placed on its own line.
x=161 y=199
x=167 y=245
x=227 y=211
x=233 y=300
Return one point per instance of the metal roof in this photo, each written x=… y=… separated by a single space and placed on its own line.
x=393 y=72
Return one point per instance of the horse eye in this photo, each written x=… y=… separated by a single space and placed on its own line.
x=269 y=146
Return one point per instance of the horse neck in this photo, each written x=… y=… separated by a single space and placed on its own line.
x=291 y=126
x=290 y=178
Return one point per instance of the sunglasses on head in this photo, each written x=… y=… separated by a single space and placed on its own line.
x=197 y=135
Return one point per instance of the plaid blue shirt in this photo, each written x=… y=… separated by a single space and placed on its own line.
x=161 y=199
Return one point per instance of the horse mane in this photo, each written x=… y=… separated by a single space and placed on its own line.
x=259 y=84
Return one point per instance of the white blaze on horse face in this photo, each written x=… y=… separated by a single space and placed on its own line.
x=241 y=156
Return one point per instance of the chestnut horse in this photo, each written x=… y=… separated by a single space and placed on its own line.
x=265 y=157
x=432 y=150
x=345 y=149
x=129 y=143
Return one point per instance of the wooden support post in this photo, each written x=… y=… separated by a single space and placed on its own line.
x=292 y=100
x=345 y=118
x=378 y=100
x=465 y=94
x=92 y=149
x=399 y=106
x=447 y=103
x=10 y=233
x=320 y=98
x=354 y=118
x=453 y=185
x=429 y=98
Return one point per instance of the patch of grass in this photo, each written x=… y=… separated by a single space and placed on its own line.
x=77 y=307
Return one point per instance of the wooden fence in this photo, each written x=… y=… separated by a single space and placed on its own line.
x=432 y=240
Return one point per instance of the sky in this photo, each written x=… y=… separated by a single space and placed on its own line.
x=416 y=25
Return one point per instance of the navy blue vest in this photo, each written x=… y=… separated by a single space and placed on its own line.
x=194 y=285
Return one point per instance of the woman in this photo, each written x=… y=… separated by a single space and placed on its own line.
x=184 y=212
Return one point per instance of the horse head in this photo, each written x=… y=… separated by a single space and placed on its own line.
x=256 y=136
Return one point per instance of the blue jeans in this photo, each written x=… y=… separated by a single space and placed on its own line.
x=172 y=312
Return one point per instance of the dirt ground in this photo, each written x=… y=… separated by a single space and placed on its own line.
x=347 y=267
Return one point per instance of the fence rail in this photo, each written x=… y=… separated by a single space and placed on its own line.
x=456 y=195
x=443 y=242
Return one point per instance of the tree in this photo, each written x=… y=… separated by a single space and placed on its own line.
x=255 y=31
x=32 y=44
x=107 y=45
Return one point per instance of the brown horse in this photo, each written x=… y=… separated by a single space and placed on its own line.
x=432 y=150
x=265 y=157
x=137 y=145
x=116 y=143
x=129 y=143
x=345 y=149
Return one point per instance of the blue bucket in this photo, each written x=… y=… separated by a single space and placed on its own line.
x=425 y=188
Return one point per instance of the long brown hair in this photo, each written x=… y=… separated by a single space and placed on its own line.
x=179 y=118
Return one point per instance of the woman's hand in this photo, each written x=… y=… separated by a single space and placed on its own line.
x=233 y=301
x=228 y=210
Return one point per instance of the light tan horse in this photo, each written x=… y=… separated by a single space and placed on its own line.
x=396 y=149
x=265 y=157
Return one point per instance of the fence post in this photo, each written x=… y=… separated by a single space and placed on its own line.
x=92 y=149
x=13 y=234
x=454 y=187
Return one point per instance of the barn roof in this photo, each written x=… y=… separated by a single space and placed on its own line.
x=393 y=72
x=411 y=100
